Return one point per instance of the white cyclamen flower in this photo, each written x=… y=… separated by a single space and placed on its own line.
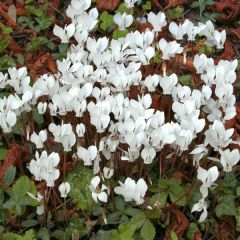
x=80 y=129
x=208 y=177
x=98 y=194
x=40 y=209
x=64 y=134
x=64 y=189
x=158 y=21
x=42 y=107
x=39 y=139
x=229 y=159
x=64 y=33
x=123 y=21
x=168 y=82
x=45 y=167
x=217 y=136
x=131 y=190
x=87 y=155
x=200 y=206
x=130 y=3
x=169 y=49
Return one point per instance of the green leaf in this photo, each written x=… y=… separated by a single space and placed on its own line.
x=138 y=220
x=238 y=191
x=147 y=6
x=103 y=235
x=3 y=44
x=192 y=228
x=185 y=79
x=76 y=229
x=123 y=9
x=148 y=230
x=38 y=118
x=58 y=234
x=36 y=44
x=175 y=13
x=44 y=23
x=3 y=153
x=120 y=203
x=229 y=183
x=131 y=211
x=6 y=62
x=106 y=23
x=226 y=206
x=126 y=231
x=43 y=234
x=29 y=223
x=173 y=236
x=238 y=220
x=5 y=29
x=153 y=214
x=19 y=198
x=9 y=176
x=79 y=180
x=119 y=34
x=195 y=4
x=35 y=11
x=210 y=2
x=1 y=197
x=20 y=58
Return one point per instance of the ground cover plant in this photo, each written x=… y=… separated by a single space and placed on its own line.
x=119 y=120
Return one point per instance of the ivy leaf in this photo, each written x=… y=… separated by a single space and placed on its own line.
x=175 y=13
x=226 y=206
x=119 y=34
x=148 y=230
x=123 y=9
x=107 y=23
x=147 y=6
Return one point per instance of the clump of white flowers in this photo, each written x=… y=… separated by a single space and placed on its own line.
x=94 y=81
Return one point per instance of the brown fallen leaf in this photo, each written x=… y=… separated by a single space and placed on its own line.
x=44 y=63
x=228 y=10
x=174 y=3
x=14 y=157
x=228 y=53
x=108 y=5
x=179 y=223
x=197 y=235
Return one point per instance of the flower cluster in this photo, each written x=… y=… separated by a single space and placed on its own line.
x=93 y=84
